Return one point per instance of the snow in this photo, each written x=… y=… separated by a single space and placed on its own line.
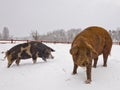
x=56 y=74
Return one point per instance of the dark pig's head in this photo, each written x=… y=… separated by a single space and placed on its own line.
x=45 y=53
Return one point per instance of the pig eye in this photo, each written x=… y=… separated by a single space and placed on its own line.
x=77 y=54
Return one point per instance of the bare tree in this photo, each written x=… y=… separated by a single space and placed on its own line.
x=35 y=35
x=5 y=33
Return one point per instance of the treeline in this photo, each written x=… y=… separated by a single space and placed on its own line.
x=60 y=35
x=68 y=36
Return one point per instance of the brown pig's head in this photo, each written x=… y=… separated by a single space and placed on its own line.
x=82 y=52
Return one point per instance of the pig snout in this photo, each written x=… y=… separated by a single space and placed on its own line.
x=51 y=57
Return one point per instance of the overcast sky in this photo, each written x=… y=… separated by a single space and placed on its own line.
x=24 y=16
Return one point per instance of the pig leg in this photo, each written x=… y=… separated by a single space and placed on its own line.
x=44 y=59
x=9 y=64
x=34 y=59
x=105 y=57
x=18 y=61
x=75 y=69
x=95 y=62
x=88 y=72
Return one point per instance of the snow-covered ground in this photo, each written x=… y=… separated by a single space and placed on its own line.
x=56 y=74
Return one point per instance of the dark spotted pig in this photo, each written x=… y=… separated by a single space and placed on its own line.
x=28 y=50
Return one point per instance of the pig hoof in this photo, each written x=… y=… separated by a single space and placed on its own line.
x=88 y=81
x=104 y=65
x=94 y=66
x=45 y=60
x=74 y=73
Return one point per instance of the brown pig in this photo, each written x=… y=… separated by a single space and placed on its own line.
x=87 y=46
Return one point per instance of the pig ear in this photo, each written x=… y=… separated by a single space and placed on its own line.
x=52 y=50
x=91 y=49
x=74 y=50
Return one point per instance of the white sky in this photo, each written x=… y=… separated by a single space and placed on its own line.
x=24 y=16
